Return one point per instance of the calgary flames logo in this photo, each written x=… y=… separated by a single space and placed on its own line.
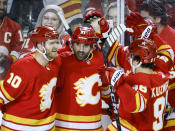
x=46 y=94
x=84 y=88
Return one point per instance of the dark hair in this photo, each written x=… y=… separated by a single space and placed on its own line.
x=148 y=65
x=155 y=9
x=76 y=21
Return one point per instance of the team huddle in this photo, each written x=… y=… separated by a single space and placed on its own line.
x=60 y=87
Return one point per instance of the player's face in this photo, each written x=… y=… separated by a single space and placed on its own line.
x=3 y=8
x=112 y=15
x=146 y=15
x=52 y=47
x=51 y=19
x=81 y=50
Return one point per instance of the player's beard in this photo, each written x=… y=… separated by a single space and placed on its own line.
x=2 y=14
x=81 y=55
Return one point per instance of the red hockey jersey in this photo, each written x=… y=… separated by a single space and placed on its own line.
x=143 y=100
x=118 y=56
x=79 y=98
x=28 y=92
x=11 y=39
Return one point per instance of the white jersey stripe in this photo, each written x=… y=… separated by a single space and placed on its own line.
x=71 y=125
x=142 y=103
x=122 y=127
x=106 y=92
x=14 y=53
x=27 y=128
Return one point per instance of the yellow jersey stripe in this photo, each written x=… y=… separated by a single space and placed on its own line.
x=137 y=97
x=113 y=51
x=5 y=129
x=116 y=59
x=172 y=86
x=14 y=58
x=170 y=123
x=163 y=47
x=105 y=88
x=5 y=92
x=27 y=121
x=72 y=118
x=127 y=125
x=112 y=128
x=166 y=54
x=1 y=101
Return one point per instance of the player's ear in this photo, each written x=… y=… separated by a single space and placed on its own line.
x=157 y=19
x=40 y=47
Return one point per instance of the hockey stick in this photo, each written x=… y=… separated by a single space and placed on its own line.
x=114 y=36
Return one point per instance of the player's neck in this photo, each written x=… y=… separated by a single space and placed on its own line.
x=144 y=70
x=160 y=27
x=40 y=59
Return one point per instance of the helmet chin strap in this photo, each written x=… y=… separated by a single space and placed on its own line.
x=44 y=53
x=134 y=67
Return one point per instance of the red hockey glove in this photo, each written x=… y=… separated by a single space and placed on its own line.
x=98 y=22
x=141 y=28
x=109 y=75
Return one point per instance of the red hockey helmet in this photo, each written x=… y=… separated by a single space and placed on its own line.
x=84 y=35
x=145 y=49
x=43 y=33
x=91 y=14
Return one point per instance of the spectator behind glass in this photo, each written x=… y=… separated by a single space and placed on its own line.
x=111 y=13
x=11 y=39
x=48 y=16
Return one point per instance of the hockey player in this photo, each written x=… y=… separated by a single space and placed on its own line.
x=28 y=89
x=80 y=94
x=116 y=56
x=157 y=13
x=49 y=16
x=11 y=39
x=142 y=92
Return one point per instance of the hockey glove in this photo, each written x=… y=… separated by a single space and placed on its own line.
x=109 y=75
x=141 y=28
x=98 y=22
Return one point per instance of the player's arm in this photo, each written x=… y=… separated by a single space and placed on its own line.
x=117 y=55
x=165 y=61
x=12 y=86
x=133 y=100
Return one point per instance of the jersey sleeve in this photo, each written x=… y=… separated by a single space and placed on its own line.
x=133 y=99
x=13 y=85
x=118 y=55
x=165 y=61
